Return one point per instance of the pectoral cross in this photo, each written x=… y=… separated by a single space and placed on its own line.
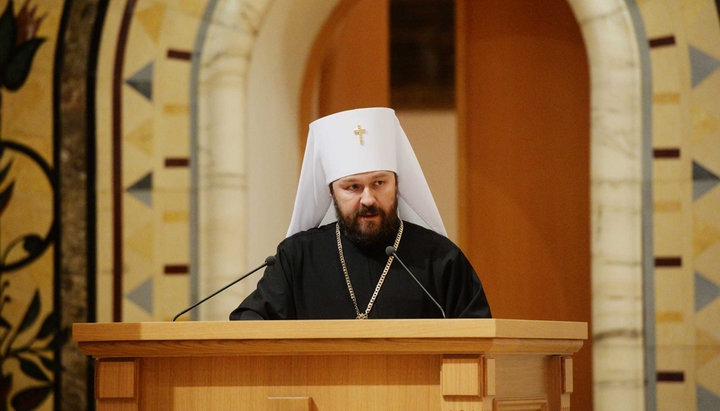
x=359 y=133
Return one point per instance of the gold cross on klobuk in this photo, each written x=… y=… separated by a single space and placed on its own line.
x=359 y=133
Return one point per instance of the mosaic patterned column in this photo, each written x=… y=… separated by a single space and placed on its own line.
x=684 y=39
x=143 y=159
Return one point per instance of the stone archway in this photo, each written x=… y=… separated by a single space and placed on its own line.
x=618 y=138
x=247 y=93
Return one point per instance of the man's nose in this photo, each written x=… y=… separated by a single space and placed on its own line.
x=367 y=198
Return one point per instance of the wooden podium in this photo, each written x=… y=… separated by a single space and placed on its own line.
x=458 y=364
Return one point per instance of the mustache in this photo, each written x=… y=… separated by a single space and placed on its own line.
x=364 y=211
x=380 y=233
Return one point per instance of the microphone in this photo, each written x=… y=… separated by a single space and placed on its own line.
x=268 y=262
x=390 y=251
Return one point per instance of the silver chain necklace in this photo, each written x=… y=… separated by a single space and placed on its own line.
x=359 y=315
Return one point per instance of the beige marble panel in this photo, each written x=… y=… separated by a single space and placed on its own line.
x=670 y=232
x=673 y=396
x=665 y=70
x=667 y=126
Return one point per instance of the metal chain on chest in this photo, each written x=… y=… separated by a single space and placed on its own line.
x=359 y=315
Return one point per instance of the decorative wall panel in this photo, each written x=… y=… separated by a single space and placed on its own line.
x=143 y=158
x=684 y=39
x=30 y=336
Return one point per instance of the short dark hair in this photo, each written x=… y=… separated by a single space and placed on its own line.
x=332 y=191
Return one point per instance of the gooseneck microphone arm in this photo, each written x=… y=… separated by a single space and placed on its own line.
x=268 y=261
x=390 y=251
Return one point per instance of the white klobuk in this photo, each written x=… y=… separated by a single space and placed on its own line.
x=358 y=141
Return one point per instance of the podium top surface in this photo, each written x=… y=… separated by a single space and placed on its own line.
x=320 y=337
x=330 y=329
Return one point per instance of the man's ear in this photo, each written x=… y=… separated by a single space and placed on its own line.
x=330 y=190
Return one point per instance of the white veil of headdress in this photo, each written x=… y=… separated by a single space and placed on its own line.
x=359 y=141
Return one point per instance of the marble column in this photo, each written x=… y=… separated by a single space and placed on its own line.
x=221 y=172
x=616 y=203
x=251 y=66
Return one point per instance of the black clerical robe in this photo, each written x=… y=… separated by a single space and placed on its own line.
x=307 y=280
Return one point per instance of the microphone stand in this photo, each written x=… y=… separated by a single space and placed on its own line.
x=268 y=261
x=390 y=251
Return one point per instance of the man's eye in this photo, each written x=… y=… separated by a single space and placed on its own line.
x=352 y=187
x=379 y=182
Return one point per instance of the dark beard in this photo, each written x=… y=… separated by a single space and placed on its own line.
x=382 y=237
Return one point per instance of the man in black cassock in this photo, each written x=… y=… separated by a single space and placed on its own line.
x=341 y=270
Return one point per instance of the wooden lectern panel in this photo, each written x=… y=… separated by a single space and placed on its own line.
x=247 y=383
x=461 y=376
x=523 y=404
x=116 y=378
x=291 y=404
x=449 y=365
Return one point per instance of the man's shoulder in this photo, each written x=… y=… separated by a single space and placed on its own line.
x=310 y=236
x=428 y=237
x=425 y=242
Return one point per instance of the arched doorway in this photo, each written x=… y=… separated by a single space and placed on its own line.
x=615 y=101
x=524 y=115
